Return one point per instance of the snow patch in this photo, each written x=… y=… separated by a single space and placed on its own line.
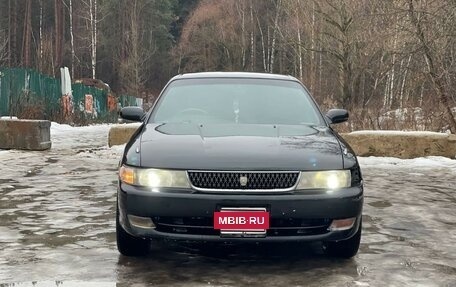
x=60 y=128
x=399 y=133
x=57 y=128
x=430 y=162
x=118 y=149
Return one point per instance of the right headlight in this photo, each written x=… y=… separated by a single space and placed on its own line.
x=328 y=179
x=153 y=178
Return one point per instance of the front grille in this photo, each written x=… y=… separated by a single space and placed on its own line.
x=243 y=180
x=196 y=225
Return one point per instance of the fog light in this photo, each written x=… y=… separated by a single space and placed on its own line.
x=142 y=222
x=342 y=224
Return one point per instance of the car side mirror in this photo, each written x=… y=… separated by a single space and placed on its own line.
x=135 y=114
x=337 y=116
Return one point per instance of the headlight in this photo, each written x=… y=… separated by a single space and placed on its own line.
x=150 y=177
x=329 y=179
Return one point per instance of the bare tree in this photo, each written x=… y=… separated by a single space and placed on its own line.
x=3 y=49
x=12 y=33
x=137 y=46
x=73 y=53
x=252 y=38
x=434 y=56
x=93 y=32
x=27 y=35
x=40 y=52
x=275 y=28
x=59 y=35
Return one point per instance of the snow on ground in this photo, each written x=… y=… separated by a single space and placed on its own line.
x=85 y=137
x=118 y=148
x=399 y=133
x=430 y=162
x=57 y=129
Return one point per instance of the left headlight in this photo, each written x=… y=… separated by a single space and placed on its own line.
x=154 y=178
x=328 y=179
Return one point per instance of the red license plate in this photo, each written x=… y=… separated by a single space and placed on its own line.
x=241 y=220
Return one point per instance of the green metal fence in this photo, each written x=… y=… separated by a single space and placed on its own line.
x=28 y=94
x=100 y=98
x=23 y=91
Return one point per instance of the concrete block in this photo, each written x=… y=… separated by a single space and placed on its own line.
x=121 y=134
x=25 y=134
x=403 y=145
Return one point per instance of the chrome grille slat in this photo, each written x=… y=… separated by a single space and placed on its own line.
x=231 y=180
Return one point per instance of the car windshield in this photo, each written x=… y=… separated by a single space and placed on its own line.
x=237 y=101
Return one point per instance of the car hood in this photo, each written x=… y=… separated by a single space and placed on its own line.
x=239 y=147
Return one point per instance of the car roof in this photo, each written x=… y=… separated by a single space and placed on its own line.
x=247 y=75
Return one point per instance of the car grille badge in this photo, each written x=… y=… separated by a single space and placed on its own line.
x=243 y=180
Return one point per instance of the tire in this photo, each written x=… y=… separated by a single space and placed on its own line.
x=129 y=245
x=344 y=248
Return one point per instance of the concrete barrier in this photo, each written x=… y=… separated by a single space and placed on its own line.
x=120 y=134
x=25 y=134
x=365 y=143
x=403 y=145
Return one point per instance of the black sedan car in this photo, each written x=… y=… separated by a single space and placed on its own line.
x=238 y=157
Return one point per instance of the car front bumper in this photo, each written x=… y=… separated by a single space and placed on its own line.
x=187 y=214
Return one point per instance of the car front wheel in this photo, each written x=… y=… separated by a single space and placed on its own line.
x=129 y=245
x=344 y=248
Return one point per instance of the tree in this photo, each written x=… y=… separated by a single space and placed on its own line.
x=73 y=53
x=93 y=35
x=135 y=37
x=434 y=47
x=4 y=38
x=341 y=43
x=59 y=35
x=12 y=33
x=27 y=36
x=3 y=49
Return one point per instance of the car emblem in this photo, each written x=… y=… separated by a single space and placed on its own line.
x=243 y=180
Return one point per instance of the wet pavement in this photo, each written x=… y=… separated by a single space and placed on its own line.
x=57 y=228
